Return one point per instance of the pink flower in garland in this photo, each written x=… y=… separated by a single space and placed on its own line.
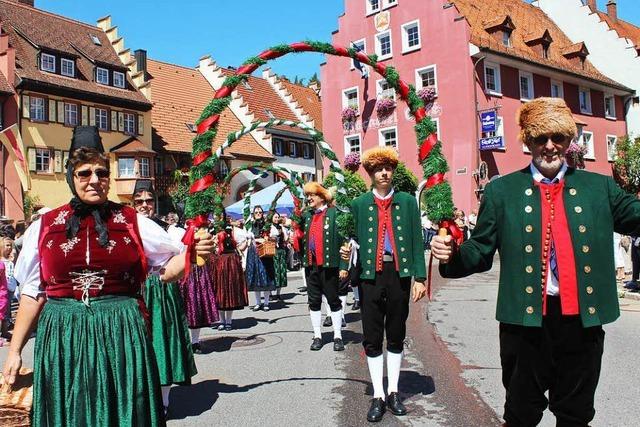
x=427 y=94
x=575 y=155
x=349 y=114
x=352 y=162
x=385 y=106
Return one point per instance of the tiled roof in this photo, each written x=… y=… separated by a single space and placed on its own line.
x=260 y=97
x=31 y=30
x=5 y=87
x=308 y=100
x=623 y=28
x=179 y=95
x=527 y=19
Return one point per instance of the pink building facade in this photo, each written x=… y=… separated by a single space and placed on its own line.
x=443 y=44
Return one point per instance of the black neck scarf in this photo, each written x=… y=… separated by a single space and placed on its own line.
x=81 y=210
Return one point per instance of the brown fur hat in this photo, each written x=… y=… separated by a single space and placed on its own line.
x=374 y=157
x=313 y=187
x=545 y=116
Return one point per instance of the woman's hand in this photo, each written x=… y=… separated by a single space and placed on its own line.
x=418 y=291
x=205 y=244
x=343 y=274
x=11 y=369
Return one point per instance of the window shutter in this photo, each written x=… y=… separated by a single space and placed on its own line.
x=60 y=112
x=52 y=110
x=114 y=120
x=32 y=159
x=85 y=113
x=58 y=161
x=140 y=124
x=92 y=116
x=120 y=122
x=26 y=106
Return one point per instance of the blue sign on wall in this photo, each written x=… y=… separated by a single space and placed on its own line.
x=488 y=119
x=491 y=143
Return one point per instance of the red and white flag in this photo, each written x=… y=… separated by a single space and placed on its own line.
x=10 y=138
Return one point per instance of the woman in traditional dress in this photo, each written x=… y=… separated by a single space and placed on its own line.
x=169 y=331
x=81 y=268
x=231 y=288
x=256 y=269
x=280 y=235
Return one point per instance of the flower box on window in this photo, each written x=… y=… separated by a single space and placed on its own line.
x=385 y=106
x=349 y=114
x=352 y=162
x=427 y=94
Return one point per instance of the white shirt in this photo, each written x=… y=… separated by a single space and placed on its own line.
x=378 y=196
x=553 y=287
x=159 y=248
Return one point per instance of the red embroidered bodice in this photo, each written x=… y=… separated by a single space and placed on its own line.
x=79 y=267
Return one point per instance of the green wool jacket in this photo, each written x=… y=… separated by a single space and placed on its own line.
x=407 y=230
x=510 y=221
x=332 y=240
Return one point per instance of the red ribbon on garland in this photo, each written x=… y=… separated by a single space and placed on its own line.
x=198 y=159
x=301 y=47
x=223 y=92
x=247 y=69
x=208 y=123
x=420 y=114
x=202 y=184
x=270 y=54
x=342 y=51
x=434 y=180
x=404 y=90
x=189 y=240
x=427 y=146
x=381 y=68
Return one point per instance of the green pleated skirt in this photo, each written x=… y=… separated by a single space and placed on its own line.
x=169 y=332
x=280 y=267
x=94 y=366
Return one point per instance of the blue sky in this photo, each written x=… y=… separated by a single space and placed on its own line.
x=181 y=32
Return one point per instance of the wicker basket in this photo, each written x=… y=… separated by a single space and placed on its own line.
x=15 y=404
x=267 y=249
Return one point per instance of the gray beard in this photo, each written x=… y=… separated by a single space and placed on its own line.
x=548 y=168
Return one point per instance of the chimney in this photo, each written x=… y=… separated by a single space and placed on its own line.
x=27 y=2
x=612 y=10
x=141 y=60
x=592 y=5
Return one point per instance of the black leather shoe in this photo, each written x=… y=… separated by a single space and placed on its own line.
x=395 y=406
x=356 y=305
x=196 y=348
x=344 y=323
x=376 y=410
x=316 y=344
x=338 y=345
x=327 y=321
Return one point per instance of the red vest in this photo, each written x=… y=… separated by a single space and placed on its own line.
x=385 y=224
x=555 y=227
x=316 y=235
x=67 y=269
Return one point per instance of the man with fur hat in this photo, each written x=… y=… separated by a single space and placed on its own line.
x=390 y=249
x=322 y=262
x=553 y=227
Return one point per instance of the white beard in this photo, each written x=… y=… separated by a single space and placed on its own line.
x=548 y=168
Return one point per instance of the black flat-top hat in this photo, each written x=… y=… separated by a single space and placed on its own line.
x=143 y=185
x=86 y=136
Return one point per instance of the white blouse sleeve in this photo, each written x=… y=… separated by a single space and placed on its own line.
x=239 y=235
x=27 y=271
x=158 y=245
x=274 y=232
x=177 y=233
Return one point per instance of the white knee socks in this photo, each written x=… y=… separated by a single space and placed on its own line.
x=336 y=318
x=376 y=371
x=257 y=296
x=316 y=322
x=228 y=316
x=325 y=304
x=266 y=295
x=356 y=294
x=394 y=361
x=195 y=336
x=165 y=395
x=223 y=316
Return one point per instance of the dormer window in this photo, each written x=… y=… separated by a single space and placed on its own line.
x=67 y=67
x=501 y=28
x=545 y=51
x=118 y=79
x=95 y=40
x=540 y=41
x=102 y=76
x=48 y=63
x=576 y=53
x=506 y=38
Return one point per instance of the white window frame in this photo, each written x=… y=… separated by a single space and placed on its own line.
x=588 y=108
x=560 y=88
x=347 y=144
x=506 y=37
x=529 y=77
x=389 y=3
x=423 y=70
x=48 y=57
x=612 y=113
x=116 y=75
x=37 y=107
x=386 y=93
x=99 y=80
x=278 y=142
x=364 y=49
x=307 y=150
x=293 y=153
x=70 y=111
x=590 y=143
x=436 y=121
x=129 y=122
x=43 y=153
x=405 y=36
x=98 y=119
x=370 y=10
x=611 y=156
x=67 y=62
x=145 y=167
x=345 y=99
x=498 y=84
x=132 y=174
x=382 y=140
x=378 y=36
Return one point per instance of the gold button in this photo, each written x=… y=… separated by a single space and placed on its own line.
x=573 y=191
x=582 y=228
x=587 y=269
x=528 y=289
x=528 y=209
x=529 y=310
x=528 y=249
x=585 y=249
x=589 y=290
x=529 y=269
x=529 y=228
x=578 y=209
x=370 y=208
x=528 y=191
x=592 y=310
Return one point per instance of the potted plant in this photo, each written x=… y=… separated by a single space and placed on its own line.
x=349 y=114
x=385 y=106
x=427 y=94
x=352 y=162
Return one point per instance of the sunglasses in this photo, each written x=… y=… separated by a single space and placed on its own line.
x=556 y=138
x=85 y=174
x=140 y=202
